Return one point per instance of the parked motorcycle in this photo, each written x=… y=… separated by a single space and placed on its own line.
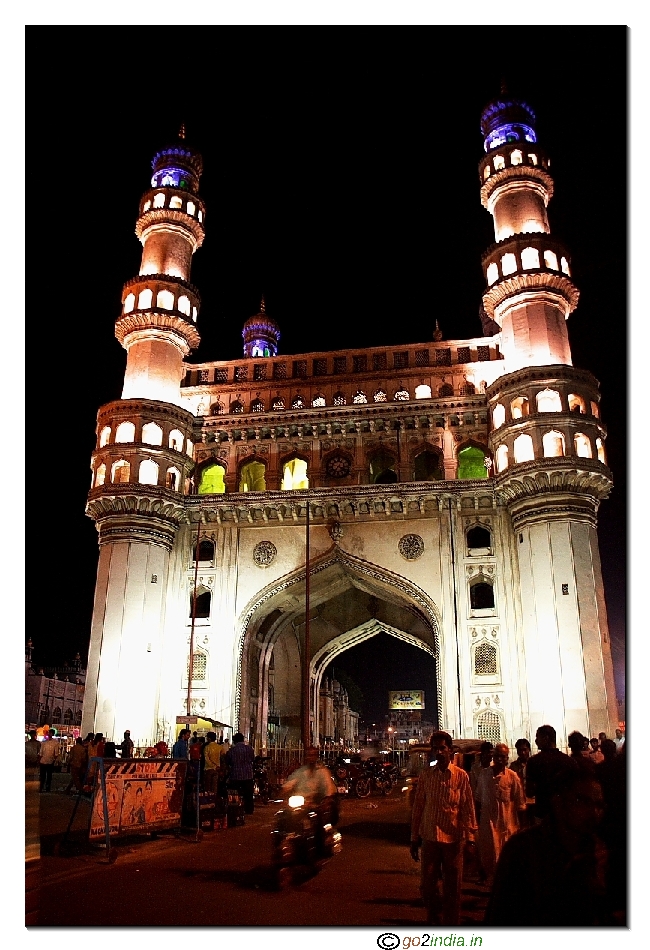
x=304 y=838
x=380 y=779
x=261 y=785
x=352 y=775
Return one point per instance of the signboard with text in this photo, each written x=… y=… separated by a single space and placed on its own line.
x=406 y=699
x=143 y=795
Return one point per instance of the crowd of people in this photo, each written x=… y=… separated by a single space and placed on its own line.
x=547 y=834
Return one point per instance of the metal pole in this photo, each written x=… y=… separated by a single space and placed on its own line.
x=190 y=670
x=306 y=732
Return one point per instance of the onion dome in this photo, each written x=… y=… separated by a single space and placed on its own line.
x=506 y=119
x=178 y=165
x=261 y=334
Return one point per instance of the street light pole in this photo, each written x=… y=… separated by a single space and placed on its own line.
x=190 y=669
x=306 y=730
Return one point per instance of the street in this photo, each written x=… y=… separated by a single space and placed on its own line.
x=373 y=882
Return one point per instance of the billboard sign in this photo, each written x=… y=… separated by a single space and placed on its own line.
x=406 y=699
x=142 y=795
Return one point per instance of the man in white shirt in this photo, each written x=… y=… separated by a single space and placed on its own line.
x=50 y=756
x=500 y=799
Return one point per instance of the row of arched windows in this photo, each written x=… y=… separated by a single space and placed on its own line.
x=547 y=400
x=516 y=158
x=175 y=203
x=529 y=259
x=148 y=474
x=152 y=434
x=165 y=300
x=360 y=397
x=553 y=446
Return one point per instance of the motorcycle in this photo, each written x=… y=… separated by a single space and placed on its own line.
x=352 y=775
x=261 y=786
x=379 y=778
x=304 y=838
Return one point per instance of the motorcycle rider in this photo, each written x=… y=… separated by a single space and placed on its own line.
x=315 y=783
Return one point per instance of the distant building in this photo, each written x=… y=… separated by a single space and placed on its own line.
x=54 y=696
x=452 y=487
x=339 y=724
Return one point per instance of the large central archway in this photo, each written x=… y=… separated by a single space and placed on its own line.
x=351 y=600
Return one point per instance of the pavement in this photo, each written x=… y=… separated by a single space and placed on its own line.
x=227 y=873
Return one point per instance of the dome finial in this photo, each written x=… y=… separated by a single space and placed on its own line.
x=263 y=304
x=181 y=131
x=437 y=333
x=504 y=87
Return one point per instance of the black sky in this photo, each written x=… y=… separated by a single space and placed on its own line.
x=340 y=179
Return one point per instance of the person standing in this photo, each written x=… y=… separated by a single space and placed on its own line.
x=544 y=768
x=620 y=739
x=126 y=746
x=481 y=762
x=50 y=756
x=596 y=755
x=239 y=760
x=212 y=759
x=180 y=749
x=500 y=799
x=78 y=766
x=442 y=821
x=32 y=750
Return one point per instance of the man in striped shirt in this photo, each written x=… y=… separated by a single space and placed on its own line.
x=443 y=820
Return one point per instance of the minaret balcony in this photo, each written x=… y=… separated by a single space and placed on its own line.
x=171 y=208
x=515 y=161
x=161 y=292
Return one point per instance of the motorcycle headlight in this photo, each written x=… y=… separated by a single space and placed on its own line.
x=296 y=801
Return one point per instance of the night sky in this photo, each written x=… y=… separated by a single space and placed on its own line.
x=340 y=179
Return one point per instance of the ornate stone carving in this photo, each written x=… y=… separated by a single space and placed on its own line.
x=335 y=529
x=264 y=553
x=411 y=547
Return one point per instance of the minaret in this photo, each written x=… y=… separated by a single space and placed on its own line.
x=546 y=436
x=160 y=306
x=261 y=334
x=144 y=457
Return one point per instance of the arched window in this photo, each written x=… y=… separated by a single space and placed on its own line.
x=145 y=298
x=199 y=215
x=576 y=403
x=236 y=407
x=553 y=444
x=502 y=458
x=190 y=208
x=467 y=389
x=211 y=479
x=129 y=303
x=294 y=475
x=550 y=260
x=203 y=599
x=379 y=395
x=498 y=415
x=516 y=157
x=206 y=551
x=548 y=400
x=564 y=264
x=148 y=472
x=165 y=300
x=252 y=477
x=481 y=594
x=152 y=433
x=298 y=402
x=104 y=436
x=257 y=405
x=67 y=717
x=499 y=162
x=56 y=715
x=519 y=407
x=318 y=401
x=485 y=659
x=339 y=399
x=594 y=409
x=471 y=462
x=146 y=206
x=486 y=172
x=176 y=440
x=100 y=476
x=217 y=408
x=445 y=390
x=402 y=395
x=184 y=305
x=582 y=446
x=492 y=273
x=120 y=471
x=530 y=258
x=423 y=391
x=159 y=200
x=277 y=404
x=382 y=470
x=488 y=727
x=479 y=537
x=175 y=202
x=172 y=479
x=427 y=467
x=359 y=397
x=523 y=448
x=508 y=264
x=199 y=665
x=600 y=448
x=125 y=432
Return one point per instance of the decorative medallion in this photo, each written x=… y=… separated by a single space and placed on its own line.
x=411 y=547
x=337 y=466
x=264 y=553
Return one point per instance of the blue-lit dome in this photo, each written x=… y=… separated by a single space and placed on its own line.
x=261 y=334
x=506 y=119
x=177 y=166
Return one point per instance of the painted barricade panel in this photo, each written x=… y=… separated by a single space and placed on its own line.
x=142 y=795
